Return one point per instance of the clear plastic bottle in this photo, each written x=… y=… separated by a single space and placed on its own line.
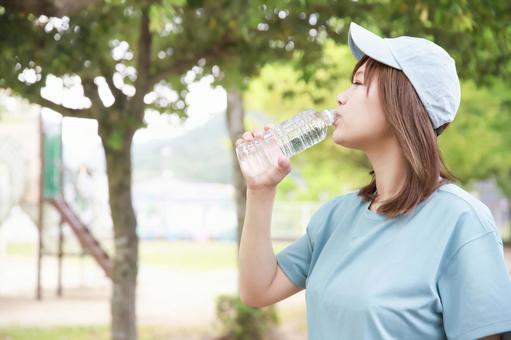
x=290 y=137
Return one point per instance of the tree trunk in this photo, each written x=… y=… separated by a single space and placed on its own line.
x=125 y=259
x=235 y=126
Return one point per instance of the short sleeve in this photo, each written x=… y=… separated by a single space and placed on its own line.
x=475 y=290
x=296 y=259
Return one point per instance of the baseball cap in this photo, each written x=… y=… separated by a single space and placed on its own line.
x=430 y=69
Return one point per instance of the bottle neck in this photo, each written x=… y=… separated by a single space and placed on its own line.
x=328 y=116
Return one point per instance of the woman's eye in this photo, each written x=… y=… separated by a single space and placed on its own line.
x=357 y=83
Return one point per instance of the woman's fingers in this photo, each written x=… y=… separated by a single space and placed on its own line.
x=258 y=133
x=247 y=135
x=255 y=133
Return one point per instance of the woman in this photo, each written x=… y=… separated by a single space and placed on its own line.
x=411 y=255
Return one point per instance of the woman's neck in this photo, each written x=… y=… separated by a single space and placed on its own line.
x=389 y=165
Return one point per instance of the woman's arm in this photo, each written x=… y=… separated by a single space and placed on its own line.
x=261 y=281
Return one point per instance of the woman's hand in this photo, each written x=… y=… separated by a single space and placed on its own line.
x=271 y=176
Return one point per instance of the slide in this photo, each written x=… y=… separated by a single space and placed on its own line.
x=85 y=237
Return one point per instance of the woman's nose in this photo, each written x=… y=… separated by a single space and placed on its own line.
x=341 y=98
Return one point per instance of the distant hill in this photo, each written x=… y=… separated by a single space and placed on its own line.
x=202 y=154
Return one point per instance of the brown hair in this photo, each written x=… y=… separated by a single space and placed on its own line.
x=414 y=131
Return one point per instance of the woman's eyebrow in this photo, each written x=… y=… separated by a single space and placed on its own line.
x=356 y=74
x=359 y=71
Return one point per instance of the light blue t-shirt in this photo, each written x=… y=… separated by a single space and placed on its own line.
x=437 y=272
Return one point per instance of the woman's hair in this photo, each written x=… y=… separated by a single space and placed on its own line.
x=414 y=131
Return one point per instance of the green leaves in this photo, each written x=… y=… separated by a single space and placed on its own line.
x=476 y=145
x=285 y=42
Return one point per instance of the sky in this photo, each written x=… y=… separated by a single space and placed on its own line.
x=204 y=102
x=80 y=135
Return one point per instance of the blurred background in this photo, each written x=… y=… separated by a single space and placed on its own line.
x=121 y=200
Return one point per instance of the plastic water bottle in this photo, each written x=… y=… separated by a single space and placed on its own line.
x=289 y=138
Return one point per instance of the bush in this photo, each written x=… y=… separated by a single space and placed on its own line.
x=242 y=322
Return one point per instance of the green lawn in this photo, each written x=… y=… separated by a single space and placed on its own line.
x=20 y=249
x=292 y=320
x=54 y=333
x=190 y=255
x=185 y=255
x=98 y=333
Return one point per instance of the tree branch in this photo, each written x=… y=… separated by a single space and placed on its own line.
x=90 y=90
x=143 y=65
x=65 y=111
x=183 y=65
x=144 y=52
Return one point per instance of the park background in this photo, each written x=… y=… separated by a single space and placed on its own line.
x=130 y=110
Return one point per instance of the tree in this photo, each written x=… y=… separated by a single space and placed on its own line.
x=120 y=52
x=483 y=116
x=47 y=7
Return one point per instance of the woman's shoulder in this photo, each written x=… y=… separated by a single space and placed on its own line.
x=330 y=215
x=466 y=220
x=460 y=200
x=337 y=203
x=464 y=207
x=349 y=198
x=341 y=206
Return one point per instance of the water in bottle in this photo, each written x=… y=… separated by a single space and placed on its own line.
x=288 y=138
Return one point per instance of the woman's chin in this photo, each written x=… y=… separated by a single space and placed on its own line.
x=337 y=137
x=342 y=140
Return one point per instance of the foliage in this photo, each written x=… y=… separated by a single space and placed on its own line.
x=482 y=126
x=477 y=143
x=242 y=322
x=234 y=41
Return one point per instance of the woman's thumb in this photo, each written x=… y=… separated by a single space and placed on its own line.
x=283 y=163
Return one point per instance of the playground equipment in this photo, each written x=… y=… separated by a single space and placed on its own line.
x=51 y=191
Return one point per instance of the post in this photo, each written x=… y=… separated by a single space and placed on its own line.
x=60 y=256
x=61 y=222
x=40 y=208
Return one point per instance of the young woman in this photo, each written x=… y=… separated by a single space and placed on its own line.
x=411 y=255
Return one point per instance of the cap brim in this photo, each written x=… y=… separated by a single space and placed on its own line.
x=363 y=42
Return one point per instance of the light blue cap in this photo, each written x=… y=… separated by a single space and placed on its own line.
x=430 y=69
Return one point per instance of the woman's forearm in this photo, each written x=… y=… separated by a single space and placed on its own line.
x=256 y=262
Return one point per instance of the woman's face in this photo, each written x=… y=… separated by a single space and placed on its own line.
x=361 y=123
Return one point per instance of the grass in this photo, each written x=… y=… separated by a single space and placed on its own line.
x=188 y=255
x=192 y=255
x=20 y=249
x=55 y=333
x=99 y=333
x=292 y=319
